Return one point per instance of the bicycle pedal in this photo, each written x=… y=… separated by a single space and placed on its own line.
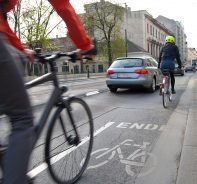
x=30 y=180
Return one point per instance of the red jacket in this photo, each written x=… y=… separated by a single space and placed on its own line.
x=75 y=28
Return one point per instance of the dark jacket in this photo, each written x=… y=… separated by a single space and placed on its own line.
x=167 y=55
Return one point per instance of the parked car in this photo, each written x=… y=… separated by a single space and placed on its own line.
x=134 y=72
x=179 y=71
x=188 y=68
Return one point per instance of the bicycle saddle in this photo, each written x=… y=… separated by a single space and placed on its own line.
x=166 y=72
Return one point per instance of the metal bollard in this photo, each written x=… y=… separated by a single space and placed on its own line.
x=88 y=73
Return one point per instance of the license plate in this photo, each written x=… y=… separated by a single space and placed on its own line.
x=124 y=75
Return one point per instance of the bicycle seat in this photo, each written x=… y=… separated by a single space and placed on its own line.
x=166 y=72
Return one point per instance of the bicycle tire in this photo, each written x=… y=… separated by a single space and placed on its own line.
x=71 y=156
x=164 y=99
x=169 y=90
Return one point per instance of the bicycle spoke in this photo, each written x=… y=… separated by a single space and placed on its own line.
x=66 y=167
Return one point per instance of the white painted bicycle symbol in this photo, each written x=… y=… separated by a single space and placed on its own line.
x=139 y=154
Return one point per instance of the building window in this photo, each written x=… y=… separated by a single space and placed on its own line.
x=148 y=47
x=156 y=33
x=156 y=51
x=151 y=30
x=147 y=28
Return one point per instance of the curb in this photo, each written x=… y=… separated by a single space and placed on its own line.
x=188 y=162
x=72 y=76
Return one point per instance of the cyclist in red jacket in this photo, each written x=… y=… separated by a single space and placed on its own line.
x=14 y=101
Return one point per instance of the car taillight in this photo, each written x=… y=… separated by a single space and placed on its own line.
x=143 y=71
x=109 y=72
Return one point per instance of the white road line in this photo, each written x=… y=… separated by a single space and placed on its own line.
x=92 y=93
x=2 y=116
x=44 y=166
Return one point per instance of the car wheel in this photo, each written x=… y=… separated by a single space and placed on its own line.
x=113 y=90
x=153 y=86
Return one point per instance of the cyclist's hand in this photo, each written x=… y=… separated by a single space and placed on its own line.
x=81 y=53
x=30 y=54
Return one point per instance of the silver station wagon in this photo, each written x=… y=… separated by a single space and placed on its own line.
x=134 y=72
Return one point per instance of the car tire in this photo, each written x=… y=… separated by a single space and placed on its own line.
x=113 y=90
x=153 y=86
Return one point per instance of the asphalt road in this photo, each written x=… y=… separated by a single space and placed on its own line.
x=130 y=123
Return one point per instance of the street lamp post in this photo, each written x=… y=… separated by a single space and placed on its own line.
x=126 y=42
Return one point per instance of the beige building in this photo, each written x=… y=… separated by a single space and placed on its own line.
x=145 y=31
x=180 y=37
x=141 y=31
x=192 y=54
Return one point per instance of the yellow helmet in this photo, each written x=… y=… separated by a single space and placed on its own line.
x=169 y=39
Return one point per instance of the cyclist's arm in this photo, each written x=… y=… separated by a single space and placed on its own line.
x=75 y=28
x=178 y=57
x=160 y=54
x=12 y=37
x=6 y=6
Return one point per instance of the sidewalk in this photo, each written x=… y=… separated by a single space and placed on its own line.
x=187 y=172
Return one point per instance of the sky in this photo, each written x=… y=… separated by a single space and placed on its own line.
x=184 y=11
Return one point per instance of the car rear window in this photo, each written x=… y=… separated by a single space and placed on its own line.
x=127 y=63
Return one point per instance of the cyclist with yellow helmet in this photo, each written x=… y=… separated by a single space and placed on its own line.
x=168 y=54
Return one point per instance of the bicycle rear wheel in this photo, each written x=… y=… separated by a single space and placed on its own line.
x=164 y=99
x=63 y=154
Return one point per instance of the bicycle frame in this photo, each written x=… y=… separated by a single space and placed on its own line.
x=55 y=97
x=165 y=77
x=163 y=86
x=52 y=100
x=57 y=100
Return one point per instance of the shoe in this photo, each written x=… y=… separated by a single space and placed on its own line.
x=173 y=92
x=29 y=180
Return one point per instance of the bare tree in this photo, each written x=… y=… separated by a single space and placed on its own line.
x=103 y=19
x=33 y=22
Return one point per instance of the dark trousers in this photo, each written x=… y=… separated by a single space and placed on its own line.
x=172 y=80
x=14 y=102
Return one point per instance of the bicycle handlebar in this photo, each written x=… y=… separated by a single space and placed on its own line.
x=56 y=55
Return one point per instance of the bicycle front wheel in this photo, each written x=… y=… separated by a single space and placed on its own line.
x=69 y=141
